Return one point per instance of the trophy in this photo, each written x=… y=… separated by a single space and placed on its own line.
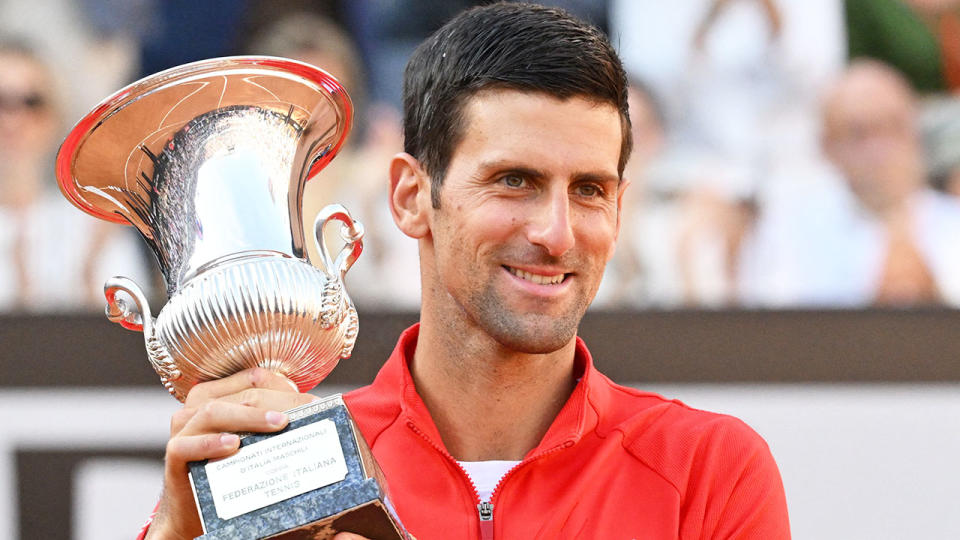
x=208 y=162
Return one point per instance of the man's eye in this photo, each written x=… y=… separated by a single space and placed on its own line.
x=512 y=180
x=588 y=190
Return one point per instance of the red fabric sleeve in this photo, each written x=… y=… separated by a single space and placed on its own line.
x=146 y=526
x=736 y=486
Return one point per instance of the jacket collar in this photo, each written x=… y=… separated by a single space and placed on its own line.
x=574 y=419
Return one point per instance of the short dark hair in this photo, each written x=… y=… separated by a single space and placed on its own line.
x=512 y=46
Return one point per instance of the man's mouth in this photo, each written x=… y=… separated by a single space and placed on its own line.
x=539 y=279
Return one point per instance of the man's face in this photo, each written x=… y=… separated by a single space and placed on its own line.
x=528 y=217
x=871 y=136
x=27 y=123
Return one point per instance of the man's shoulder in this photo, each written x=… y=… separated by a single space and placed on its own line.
x=637 y=412
x=676 y=439
x=722 y=470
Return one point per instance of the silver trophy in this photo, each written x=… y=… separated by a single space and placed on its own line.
x=208 y=161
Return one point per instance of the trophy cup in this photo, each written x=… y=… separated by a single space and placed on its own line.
x=208 y=162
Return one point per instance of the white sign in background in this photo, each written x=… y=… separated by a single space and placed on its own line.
x=859 y=461
x=277 y=469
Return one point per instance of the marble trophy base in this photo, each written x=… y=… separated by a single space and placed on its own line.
x=311 y=480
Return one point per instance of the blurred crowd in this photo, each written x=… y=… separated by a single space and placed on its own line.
x=787 y=154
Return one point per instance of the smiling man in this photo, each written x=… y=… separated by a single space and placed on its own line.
x=489 y=419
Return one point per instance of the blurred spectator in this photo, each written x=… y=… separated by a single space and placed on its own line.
x=881 y=236
x=52 y=256
x=920 y=38
x=625 y=281
x=316 y=40
x=679 y=238
x=737 y=81
x=386 y=274
x=732 y=75
x=85 y=42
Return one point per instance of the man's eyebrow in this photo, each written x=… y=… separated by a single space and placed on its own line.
x=512 y=166
x=598 y=177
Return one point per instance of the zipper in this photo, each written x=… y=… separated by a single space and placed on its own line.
x=485 y=512
x=485 y=508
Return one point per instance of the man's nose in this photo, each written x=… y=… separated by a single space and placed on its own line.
x=550 y=225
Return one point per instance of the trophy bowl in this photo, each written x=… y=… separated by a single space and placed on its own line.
x=208 y=161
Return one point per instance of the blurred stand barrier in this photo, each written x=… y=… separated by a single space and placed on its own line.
x=690 y=346
x=860 y=409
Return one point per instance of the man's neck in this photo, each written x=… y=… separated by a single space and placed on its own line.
x=488 y=402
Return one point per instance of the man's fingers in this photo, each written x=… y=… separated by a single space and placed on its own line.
x=277 y=400
x=248 y=378
x=197 y=447
x=274 y=400
x=222 y=416
x=180 y=418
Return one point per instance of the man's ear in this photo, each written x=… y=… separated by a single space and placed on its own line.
x=409 y=195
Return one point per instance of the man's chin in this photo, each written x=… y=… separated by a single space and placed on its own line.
x=534 y=337
x=524 y=328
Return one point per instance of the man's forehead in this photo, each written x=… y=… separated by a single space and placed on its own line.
x=490 y=108
x=514 y=125
x=866 y=90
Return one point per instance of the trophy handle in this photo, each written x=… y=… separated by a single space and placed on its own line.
x=350 y=230
x=119 y=312
x=141 y=320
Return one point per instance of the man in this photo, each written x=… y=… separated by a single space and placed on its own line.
x=884 y=237
x=489 y=418
x=871 y=134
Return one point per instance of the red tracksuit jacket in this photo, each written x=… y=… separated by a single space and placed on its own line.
x=616 y=463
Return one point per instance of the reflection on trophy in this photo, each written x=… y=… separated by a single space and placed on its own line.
x=208 y=161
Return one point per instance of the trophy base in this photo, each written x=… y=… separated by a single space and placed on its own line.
x=372 y=520
x=312 y=480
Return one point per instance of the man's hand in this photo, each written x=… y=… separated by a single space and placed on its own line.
x=251 y=400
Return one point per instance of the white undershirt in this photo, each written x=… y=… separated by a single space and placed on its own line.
x=486 y=474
